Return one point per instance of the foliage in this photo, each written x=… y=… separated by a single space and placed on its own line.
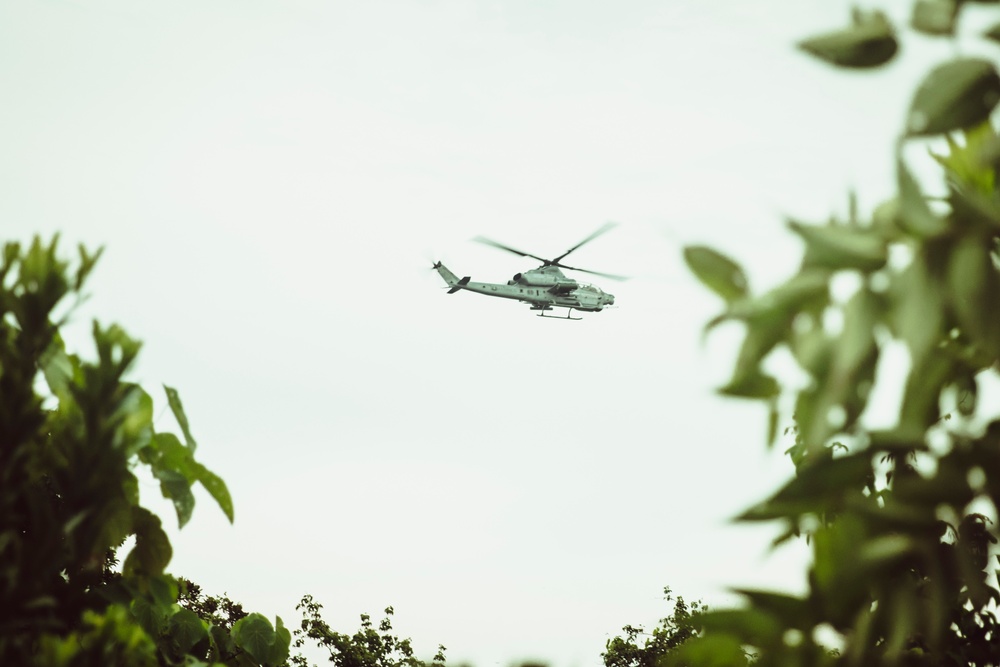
x=368 y=647
x=666 y=637
x=897 y=518
x=217 y=610
x=73 y=434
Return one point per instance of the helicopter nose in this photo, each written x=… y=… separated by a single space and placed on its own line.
x=611 y=299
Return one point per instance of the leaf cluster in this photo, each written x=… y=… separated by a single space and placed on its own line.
x=638 y=648
x=370 y=646
x=901 y=569
x=73 y=434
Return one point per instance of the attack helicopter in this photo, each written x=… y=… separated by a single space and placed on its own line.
x=543 y=288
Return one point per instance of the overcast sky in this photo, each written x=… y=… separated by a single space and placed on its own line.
x=272 y=181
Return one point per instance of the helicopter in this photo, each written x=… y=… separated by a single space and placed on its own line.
x=543 y=288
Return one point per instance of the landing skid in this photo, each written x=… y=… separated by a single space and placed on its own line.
x=568 y=316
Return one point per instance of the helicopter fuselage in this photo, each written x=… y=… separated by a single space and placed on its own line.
x=543 y=288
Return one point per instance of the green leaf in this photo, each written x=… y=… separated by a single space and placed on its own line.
x=751 y=385
x=719 y=273
x=137 y=425
x=856 y=346
x=915 y=216
x=282 y=641
x=747 y=380
x=973 y=284
x=813 y=350
x=918 y=306
x=186 y=629
x=752 y=626
x=58 y=368
x=897 y=441
x=869 y=43
x=819 y=487
x=922 y=396
x=152 y=549
x=772 y=423
x=87 y=263
x=806 y=290
x=255 y=635
x=174 y=399
x=217 y=489
x=712 y=650
x=175 y=487
x=839 y=247
x=792 y=611
x=966 y=394
x=955 y=95
x=885 y=551
x=151 y=617
x=935 y=17
x=993 y=33
x=175 y=456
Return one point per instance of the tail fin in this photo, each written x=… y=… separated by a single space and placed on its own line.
x=459 y=285
x=451 y=278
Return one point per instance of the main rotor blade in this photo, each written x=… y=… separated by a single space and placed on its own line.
x=605 y=228
x=610 y=276
x=483 y=239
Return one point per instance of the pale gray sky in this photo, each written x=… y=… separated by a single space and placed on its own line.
x=272 y=181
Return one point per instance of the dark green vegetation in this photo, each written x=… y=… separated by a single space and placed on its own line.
x=74 y=433
x=668 y=635
x=903 y=569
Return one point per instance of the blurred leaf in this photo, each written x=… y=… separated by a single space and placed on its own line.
x=217 y=489
x=751 y=385
x=747 y=380
x=772 y=423
x=993 y=33
x=935 y=17
x=856 y=344
x=282 y=641
x=915 y=216
x=817 y=488
x=922 y=394
x=186 y=629
x=87 y=263
x=918 y=305
x=949 y=484
x=792 y=611
x=713 y=650
x=897 y=440
x=869 y=43
x=884 y=550
x=839 y=247
x=805 y=291
x=955 y=95
x=751 y=626
x=175 y=487
x=969 y=166
x=58 y=368
x=174 y=399
x=966 y=394
x=137 y=425
x=813 y=350
x=152 y=549
x=719 y=273
x=972 y=282
x=151 y=617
